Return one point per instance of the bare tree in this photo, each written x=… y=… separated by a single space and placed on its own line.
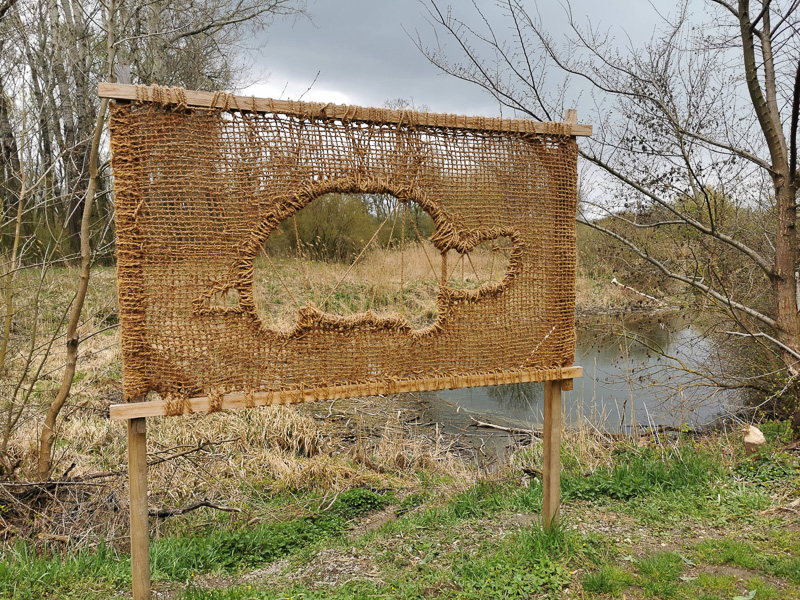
x=695 y=151
x=56 y=204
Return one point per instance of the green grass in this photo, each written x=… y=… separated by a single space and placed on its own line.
x=357 y=502
x=469 y=544
x=658 y=574
x=609 y=579
x=529 y=563
x=750 y=556
x=684 y=480
x=26 y=575
x=179 y=558
x=639 y=472
x=229 y=551
x=352 y=591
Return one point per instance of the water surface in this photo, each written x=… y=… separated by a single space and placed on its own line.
x=629 y=378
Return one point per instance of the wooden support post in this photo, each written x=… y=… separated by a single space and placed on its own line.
x=551 y=470
x=140 y=528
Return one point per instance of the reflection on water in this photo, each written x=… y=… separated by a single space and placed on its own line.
x=628 y=379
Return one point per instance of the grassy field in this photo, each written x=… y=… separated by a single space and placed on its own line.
x=358 y=500
x=370 y=498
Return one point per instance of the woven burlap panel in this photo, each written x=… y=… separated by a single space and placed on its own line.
x=198 y=193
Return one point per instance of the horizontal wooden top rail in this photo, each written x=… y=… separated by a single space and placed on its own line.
x=344 y=112
x=202 y=404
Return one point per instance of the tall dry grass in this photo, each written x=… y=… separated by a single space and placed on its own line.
x=238 y=459
x=37 y=354
x=401 y=281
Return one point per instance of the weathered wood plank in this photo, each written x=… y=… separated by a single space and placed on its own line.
x=118 y=91
x=201 y=404
x=551 y=470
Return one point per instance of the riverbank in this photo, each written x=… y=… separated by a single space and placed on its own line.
x=369 y=499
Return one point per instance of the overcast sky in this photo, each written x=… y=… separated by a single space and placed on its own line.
x=365 y=54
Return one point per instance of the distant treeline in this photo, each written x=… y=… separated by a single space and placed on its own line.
x=337 y=227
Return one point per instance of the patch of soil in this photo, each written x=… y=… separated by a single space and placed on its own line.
x=373 y=522
x=742 y=574
x=333 y=567
x=265 y=575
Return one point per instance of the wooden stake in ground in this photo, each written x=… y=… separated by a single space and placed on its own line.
x=140 y=532
x=551 y=476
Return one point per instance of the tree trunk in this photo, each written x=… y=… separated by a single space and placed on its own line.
x=786 y=257
x=785 y=263
x=48 y=428
x=9 y=157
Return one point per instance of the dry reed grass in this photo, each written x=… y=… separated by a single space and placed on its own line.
x=387 y=281
x=401 y=450
x=237 y=458
x=598 y=296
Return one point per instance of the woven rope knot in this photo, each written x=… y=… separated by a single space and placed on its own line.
x=249 y=397
x=214 y=401
x=162 y=95
x=226 y=101
x=176 y=404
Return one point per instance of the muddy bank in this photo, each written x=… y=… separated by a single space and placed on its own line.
x=446 y=425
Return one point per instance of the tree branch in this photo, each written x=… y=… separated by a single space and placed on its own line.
x=231 y=20
x=727 y=6
x=765 y=116
x=761 y=334
x=760 y=16
x=172 y=512
x=793 y=130
x=729 y=302
x=732 y=149
x=763 y=264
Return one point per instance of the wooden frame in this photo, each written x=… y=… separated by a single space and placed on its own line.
x=140 y=527
x=555 y=380
x=155 y=408
x=119 y=91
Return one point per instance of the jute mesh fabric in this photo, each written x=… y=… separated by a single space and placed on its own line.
x=198 y=193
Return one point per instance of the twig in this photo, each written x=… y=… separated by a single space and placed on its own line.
x=155 y=461
x=532 y=472
x=513 y=430
x=635 y=291
x=52 y=537
x=172 y=512
x=47 y=485
x=791 y=446
x=82 y=479
x=761 y=334
x=200 y=446
x=331 y=502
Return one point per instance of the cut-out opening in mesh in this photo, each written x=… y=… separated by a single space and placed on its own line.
x=348 y=254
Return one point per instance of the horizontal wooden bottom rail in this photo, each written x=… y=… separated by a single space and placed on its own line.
x=154 y=408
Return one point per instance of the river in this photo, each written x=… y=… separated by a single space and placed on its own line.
x=629 y=378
